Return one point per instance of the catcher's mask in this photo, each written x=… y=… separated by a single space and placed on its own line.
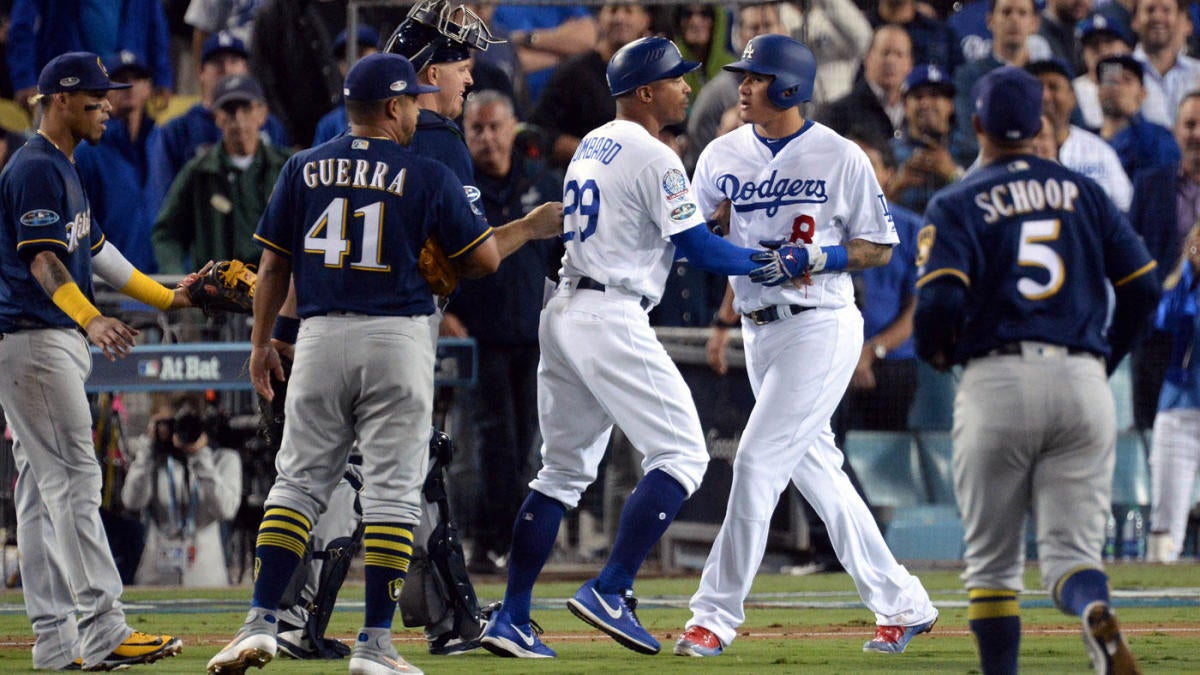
x=437 y=32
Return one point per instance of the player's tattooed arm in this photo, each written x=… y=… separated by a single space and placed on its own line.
x=49 y=272
x=112 y=336
x=862 y=254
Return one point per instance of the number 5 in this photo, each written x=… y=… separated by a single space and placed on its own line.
x=1030 y=253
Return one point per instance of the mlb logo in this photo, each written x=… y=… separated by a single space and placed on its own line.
x=360 y=144
x=149 y=368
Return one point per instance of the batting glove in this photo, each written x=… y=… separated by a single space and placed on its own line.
x=782 y=261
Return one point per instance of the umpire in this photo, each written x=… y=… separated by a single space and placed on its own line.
x=1034 y=419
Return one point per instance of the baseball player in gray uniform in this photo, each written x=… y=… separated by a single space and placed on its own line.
x=49 y=249
x=1015 y=263
x=814 y=194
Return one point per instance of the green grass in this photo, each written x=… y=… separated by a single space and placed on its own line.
x=774 y=640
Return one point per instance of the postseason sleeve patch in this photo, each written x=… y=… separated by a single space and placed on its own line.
x=473 y=195
x=683 y=212
x=39 y=218
x=674 y=183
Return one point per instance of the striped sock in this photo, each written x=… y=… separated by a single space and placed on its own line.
x=282 y=538
x=387 y=551
x=995 y=618
x=1079 y=588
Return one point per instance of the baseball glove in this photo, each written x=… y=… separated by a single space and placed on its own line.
x=224 y=286
x=436 y=268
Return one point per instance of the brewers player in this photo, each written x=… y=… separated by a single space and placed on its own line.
x=791 y=179
x=348 y=218
x=1015 y=262
x=627 y=207
x=49 y=249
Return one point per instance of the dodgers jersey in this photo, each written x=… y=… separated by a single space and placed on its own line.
x=814 y=187
x=1034 y=243
x=353 y=214
x=42 y=207
x=625 y=193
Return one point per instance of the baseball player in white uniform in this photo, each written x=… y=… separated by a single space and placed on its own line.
x=627 y=206
x=792 y=180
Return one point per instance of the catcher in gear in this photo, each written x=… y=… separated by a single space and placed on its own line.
x=225 y=286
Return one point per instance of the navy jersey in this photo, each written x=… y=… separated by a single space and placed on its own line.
x=440 y=138
x=353 y=214
x=1034 y=243
x=42 y=207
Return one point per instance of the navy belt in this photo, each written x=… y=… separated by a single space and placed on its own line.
x=590 y=284
x=775 y=313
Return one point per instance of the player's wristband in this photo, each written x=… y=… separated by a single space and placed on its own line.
x=143 y=288
x=75 y=304
x=286 y=329
x=826 y=258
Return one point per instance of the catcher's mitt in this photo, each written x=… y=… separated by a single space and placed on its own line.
x=436 y=268
x=225 y=286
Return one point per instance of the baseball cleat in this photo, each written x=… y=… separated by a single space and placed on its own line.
x=893 y=639
x=138 y=648
x=502 y=637
x=377 y=656
x=253 y=645
x=698 y=641
x=1102 y=635
x=614 y=614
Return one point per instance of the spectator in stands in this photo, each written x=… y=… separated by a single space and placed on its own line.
x=875 y=106
x=1011 y=23
x=1139 y=144
x=43 y=29
x=576 y=98
x=207 y=17
x=1162 y=28
x=838 y=34
x=923 y=148
x=114 y=172
x=1058 y=27
x=334 y=123
x=1098 y=38
x=175 y=143
x=884 y=383
x=1045 y=145
x=1175 y=449
x=721 y=92
x=1119 y=13
x=501 y=312
x=700 y=32
x=1166 y=203
x=545 y=35
x=933 y=41
x=1079 y=149
x=298 y=101
x=186 y=489
x=214 y=205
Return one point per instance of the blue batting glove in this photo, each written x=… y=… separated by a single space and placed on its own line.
x=782 y=261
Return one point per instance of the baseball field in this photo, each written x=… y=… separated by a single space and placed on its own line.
x=809 y=624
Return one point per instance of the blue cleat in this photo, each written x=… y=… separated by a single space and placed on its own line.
x=893 y=639
x=504 y=638
x=613 y=614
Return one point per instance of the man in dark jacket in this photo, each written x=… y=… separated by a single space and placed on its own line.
x=875 y=106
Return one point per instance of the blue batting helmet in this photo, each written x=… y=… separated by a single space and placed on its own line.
x=644 y=61
x=788 y=61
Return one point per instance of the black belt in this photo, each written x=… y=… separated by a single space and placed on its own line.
x=1015 y=349
x=590 y=284
x=775 y=313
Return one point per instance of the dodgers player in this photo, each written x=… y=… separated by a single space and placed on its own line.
x=348 y=218
x=627 y=206
x=792 y=179
x=49 y=248
x=1014 y=265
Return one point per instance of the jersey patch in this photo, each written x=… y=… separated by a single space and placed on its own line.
x=674 y=183
x=924 y=244
x=473 y=195
x=39 y=218
x=683 y=212
x=360 y=144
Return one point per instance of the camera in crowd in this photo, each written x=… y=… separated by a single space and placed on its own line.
x=174 y=434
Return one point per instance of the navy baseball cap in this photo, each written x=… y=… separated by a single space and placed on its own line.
x=1123 y=61
x=239 y=88
x=1008 y=101
x=1057 y=66
x=125 y=60
x=75 y=71
x=383 y=75
x=365 y=36
x=223 y=42
x=1098 y=25
x=928 y=75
